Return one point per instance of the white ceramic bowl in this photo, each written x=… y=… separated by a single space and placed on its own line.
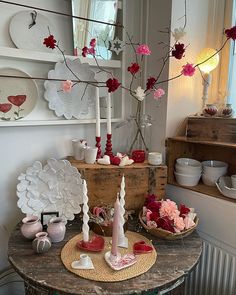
x=188 y=162
x=186 y=179
x=224 y=185
x=193 y=170
x=215 y=166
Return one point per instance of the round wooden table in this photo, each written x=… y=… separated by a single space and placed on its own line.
x=45 y=273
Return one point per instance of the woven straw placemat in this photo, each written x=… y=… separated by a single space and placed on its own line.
x=102 y=271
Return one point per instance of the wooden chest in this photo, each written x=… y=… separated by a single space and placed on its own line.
x=140 y=179
x=211 y=129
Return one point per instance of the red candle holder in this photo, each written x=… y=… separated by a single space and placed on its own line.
x=138 y=156
x=109 y=146
x=98 y=145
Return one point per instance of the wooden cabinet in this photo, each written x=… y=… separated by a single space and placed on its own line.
x=200 y=150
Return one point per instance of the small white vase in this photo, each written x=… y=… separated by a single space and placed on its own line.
x=90 y=155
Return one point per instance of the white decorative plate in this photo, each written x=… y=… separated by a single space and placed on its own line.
x=21 y=94
x=55 y=187
x=30 y=38
x=224 y=185
x=76 y=103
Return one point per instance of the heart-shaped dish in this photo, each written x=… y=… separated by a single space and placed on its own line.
x=141 y=247
x=96 y=244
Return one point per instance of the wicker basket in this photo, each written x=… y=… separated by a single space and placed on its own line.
x=165 y=234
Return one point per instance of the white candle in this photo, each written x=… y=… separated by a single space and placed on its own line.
x=109 y=113
x=122 y=240
x=85 y=227
x=97 y=112
x=115 y=228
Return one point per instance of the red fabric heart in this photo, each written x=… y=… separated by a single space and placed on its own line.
x=141 y=247
x=17 y=100
x=5 y=107
x=115 y=160
x=96 y=244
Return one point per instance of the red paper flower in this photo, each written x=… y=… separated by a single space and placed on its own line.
x=134 y=68
x=149 y=199
x=17 y=100
x=183 y=210
x=178 y=51
x=115 y=160
x=166 y=223
x=154 y=206
x=84 y=51
x=154 y=216
x=150 y=83
x=92 y=42
x=231 y=33
x=5 y=107
x=112 y=84
x=50 y=42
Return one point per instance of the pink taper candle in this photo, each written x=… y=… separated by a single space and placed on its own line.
x=115 y=228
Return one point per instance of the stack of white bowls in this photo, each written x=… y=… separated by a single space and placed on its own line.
x=212 y=171
x=188 y=171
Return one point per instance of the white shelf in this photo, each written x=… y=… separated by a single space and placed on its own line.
x=36 y=56
x=52 y=122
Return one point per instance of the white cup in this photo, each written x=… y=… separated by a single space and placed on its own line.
x=233 y=180
x=154 y=158
x=78 y=146
x=90 y=155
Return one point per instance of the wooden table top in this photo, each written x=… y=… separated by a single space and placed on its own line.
x=175 y=259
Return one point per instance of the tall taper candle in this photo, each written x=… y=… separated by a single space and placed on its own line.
x=122 y=240
x=97 y=112
x=115 y=228
x=109 y=113
x=85 y=227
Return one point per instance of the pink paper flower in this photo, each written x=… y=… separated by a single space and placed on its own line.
x=169 y=209
x=179 y=224
x=143 y=49
x=188 y=70
x=158 y=93
x=188 y=222
x=66 y=86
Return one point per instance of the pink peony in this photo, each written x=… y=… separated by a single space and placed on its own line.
x=143 y=49
x=158 y=93
x=66 y=86
x=188 y=70
x=169 y=209
x=179 y=224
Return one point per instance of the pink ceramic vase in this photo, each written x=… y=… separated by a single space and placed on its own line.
x=31 y=226
x=56 y=229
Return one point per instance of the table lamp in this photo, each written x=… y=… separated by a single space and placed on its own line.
x=208 y=60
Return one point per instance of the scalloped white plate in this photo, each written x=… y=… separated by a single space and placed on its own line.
x=55 y=187
x=76 y=103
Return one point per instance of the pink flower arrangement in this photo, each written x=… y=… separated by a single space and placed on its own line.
x=167 y=215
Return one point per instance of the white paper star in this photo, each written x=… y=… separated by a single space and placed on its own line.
x=117 y=45
x=178 y=34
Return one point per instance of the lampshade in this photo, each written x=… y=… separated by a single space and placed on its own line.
x=211 y=63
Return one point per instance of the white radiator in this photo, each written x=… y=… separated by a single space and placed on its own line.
x=214 y=275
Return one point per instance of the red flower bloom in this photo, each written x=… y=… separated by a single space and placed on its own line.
x=92 y=42
x=91 y=51
x=154 y=206
x=150 y=83
x=150 y=199
x=50 y=42
x=84 y=51
x=154 y=216
x=231 y=33
x=5 y=107
x=165 y=223
x=112 y=84
x=178 y=51
x=183 y=210
x=17 y=100
x=134 y=68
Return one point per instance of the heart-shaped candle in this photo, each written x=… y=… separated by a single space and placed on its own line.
x=141 y=247
x=96 y=244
